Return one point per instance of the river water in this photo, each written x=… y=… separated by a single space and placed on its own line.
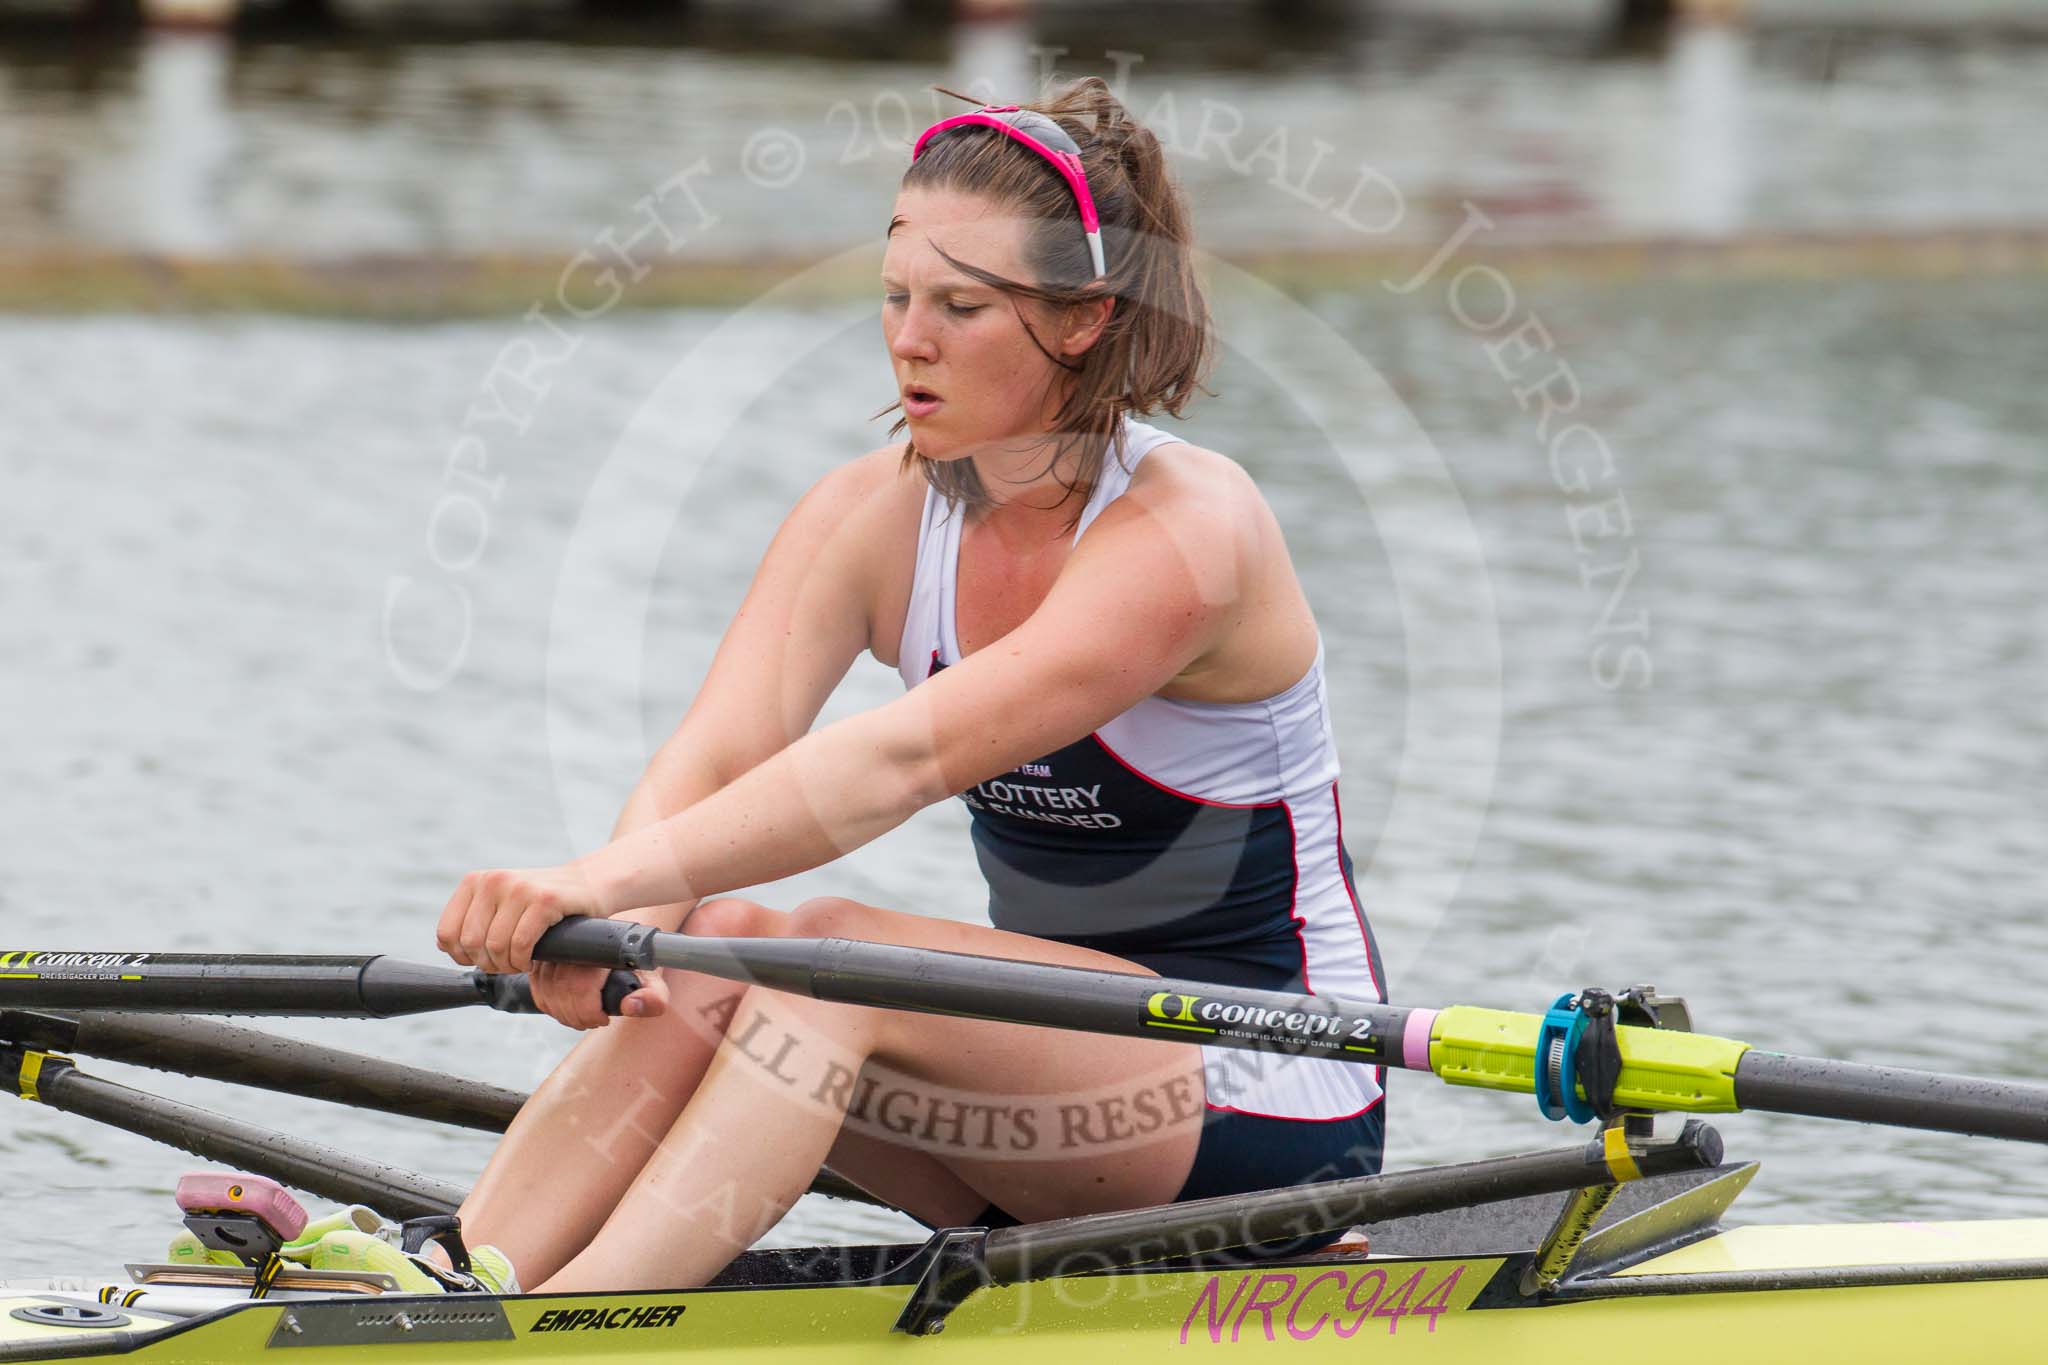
x=1812 y=803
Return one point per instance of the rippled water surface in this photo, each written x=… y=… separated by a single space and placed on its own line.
x=1813 y=803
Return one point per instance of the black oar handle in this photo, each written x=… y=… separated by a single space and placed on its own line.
x=514 y=994
x=618 y=944
x=598 y=943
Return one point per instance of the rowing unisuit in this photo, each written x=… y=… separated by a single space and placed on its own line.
x=1199 y=839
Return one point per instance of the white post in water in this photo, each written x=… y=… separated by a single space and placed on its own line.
x=190 y=14
x=184 y=144
x=992 y=50
x=1709 y=79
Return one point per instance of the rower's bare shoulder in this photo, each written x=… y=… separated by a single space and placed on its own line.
x=1236 y=565
x=871 y=482
x=869 y=509
x=1178 y=469
x=1198 y=491
x=854 y=504
x=847 y=530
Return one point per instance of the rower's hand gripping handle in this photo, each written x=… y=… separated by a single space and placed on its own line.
x=598 y=943
x=585 y=942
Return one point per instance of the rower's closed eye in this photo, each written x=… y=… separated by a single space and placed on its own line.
x=958 y=310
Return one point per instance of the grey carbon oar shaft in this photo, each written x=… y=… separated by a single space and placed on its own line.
x=334 y=987
x=1660 y=1069
x=1038 y=1250
x=927 y=981
x=1892 y=1095
x=261 y=984
x=246 y=1056
x=243 y=1056
x=311 y=1166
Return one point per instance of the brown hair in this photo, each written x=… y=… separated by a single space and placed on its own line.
x=1157 y=346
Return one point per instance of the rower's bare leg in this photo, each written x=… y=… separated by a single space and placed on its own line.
x=593 y=1123
x=779 y=1090
x=904 y=1177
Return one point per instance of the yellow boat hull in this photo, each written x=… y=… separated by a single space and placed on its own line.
x=1873 y=1293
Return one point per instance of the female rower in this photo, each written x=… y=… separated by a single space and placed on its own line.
x=1108 y=657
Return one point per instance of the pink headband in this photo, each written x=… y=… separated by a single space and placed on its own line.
x=1046 y=138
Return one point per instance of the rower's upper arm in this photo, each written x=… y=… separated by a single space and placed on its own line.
x=1155 y=584
x=804 y=620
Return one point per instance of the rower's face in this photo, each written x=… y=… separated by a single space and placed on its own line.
x=957 y=337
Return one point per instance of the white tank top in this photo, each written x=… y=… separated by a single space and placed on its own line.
x=1199 y=839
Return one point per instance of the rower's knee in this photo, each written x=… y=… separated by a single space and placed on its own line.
x=734 y=917
x=834 y=917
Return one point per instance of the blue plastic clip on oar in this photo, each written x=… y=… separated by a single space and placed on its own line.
x=1557 y=1052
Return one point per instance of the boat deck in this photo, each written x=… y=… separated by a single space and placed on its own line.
x=1445 y=1287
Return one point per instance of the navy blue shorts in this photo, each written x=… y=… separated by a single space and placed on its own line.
x=1239 y=1153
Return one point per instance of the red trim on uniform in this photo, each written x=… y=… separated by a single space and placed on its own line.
x=1294 y=904
x=1377 y=1100
x=1357 y=910
x=1294 y=895
x=1155 y=783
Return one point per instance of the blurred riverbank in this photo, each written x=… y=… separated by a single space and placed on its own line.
x=421 y=288
x=419 y=179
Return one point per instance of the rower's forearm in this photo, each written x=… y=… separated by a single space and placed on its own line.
x=822 y=797
x=674 y=781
